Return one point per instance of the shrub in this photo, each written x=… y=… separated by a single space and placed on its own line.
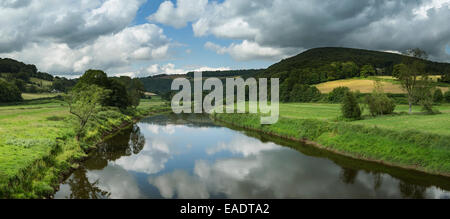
x=338 y=94
x=447 y=96
x=350 y=107
x=438 y=96
x=380 y=104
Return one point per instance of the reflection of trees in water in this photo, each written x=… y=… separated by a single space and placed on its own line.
x=126 y=143
x=412 y=191
x=348 y=176
x=83 y=189
x=189 y=120
x=137 y=140
x=378 y=180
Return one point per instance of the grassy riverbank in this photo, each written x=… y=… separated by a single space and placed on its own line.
x=420 y=142
x=38 y=146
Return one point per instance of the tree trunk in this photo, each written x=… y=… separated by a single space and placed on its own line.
x=410 y=107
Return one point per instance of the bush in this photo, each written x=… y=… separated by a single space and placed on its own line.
x=9 y=92
x=447 y=96
x=350 y=107
x=438 y=96
x=380 y=104
x=338 y=94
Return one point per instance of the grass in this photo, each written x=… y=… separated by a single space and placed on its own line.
x=390 y=85
x=42 y=82
x=29 y=96
x=37 y=143
x=417 y=141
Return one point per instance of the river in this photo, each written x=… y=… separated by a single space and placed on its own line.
x=188 y=156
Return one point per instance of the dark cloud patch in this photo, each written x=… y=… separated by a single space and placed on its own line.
x=373 y=24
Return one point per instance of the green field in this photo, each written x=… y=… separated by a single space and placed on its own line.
x=37 y=143
x=439 y=124
x=29 y=96
x=417 y=141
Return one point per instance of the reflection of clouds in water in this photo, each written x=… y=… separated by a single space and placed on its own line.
x=167 y=129
x=117 y=181
x=276 y=174
x=243 y=145
x=181 y=184
x=152 y=128
x=150 y=160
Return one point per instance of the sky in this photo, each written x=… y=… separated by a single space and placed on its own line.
x=141 y=38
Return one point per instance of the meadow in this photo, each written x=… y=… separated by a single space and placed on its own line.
x=38 y=146
x=418 y=141
x=366 y=85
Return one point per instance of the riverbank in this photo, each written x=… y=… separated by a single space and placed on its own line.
x=38 y=146
x=422 y=151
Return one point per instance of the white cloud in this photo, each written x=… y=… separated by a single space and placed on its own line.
x=186 y=11
x=69 y=37
x=109 y=52
x=248 y=50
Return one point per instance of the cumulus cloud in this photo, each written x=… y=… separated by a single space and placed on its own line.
x=247 y=50
x=69 y=37
x=142 y=42
x=186 y=11
x=281 y=24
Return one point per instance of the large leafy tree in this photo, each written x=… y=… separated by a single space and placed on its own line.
x=84 y=103
x=409 y=73
x=118 y=96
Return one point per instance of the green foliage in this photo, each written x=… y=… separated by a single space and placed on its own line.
x=438 y=96
x=304 y=93
x=62 y=84
x=134 y=89
x=423 y=94
x=350 y=107
x=84 y=103
x=379 y=103
x=338 y=94
x=9 y=92
x=118 y=95
x=447 y=96
x=367 y=70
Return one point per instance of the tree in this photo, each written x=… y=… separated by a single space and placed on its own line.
x=409 y=72
x=9 y=92
x=438 y=96
x=304 y=93
x=447 y=96
x=338 y=94
x=84 y=103
x=423 y=94
x=367 y=70
x=134 y=88
x=118 y=96
x=350 y=107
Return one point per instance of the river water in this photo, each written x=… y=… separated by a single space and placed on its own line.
x=188 y=156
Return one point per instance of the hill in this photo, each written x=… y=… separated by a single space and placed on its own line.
x=28 y=80
x=160 y=84
x=322 y=58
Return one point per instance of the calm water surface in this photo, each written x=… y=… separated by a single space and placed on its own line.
x=189 y=157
